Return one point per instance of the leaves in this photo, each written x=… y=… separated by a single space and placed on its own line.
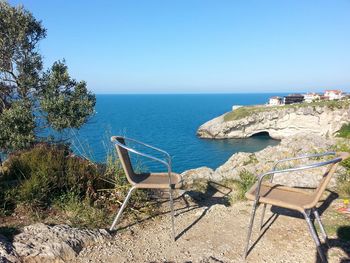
x=66 y=102
x=17 y=126
x=31 y=99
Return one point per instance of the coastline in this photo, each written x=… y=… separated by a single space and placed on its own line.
x=324 y=119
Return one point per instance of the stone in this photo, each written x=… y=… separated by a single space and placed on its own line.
x=60 y=243
x=201 y=173
x=7 y=251
x=280 y=123
x=263 y=161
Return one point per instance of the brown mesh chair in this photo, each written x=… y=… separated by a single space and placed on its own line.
x=166 y=180
x=305 y=202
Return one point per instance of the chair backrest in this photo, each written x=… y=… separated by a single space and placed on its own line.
x=327 y=176
x=124 y=158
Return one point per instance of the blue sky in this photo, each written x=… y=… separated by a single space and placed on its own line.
x=200 y=46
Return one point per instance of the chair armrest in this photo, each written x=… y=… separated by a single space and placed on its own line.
x=113 y=139
x=297 y=168
x=307 y=156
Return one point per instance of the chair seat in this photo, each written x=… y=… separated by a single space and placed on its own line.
x=283 y=196
x=157 y=180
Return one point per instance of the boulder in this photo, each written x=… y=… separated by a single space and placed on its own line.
x=7 y=251
x=60 y=243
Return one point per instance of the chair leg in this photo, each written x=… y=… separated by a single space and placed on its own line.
x=262 y=217
x=250 y=228
x=116 y=219
x=314 y=235
x=323 y=231
x=171 y=199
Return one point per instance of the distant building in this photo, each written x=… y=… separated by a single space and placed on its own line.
x=310 y=97
x=333 y=94
x=275 y=101
x=235 y=107
x=293 y=98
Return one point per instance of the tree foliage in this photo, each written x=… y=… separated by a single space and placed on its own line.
x=32 y=99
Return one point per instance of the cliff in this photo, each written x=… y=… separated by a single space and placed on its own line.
x=322 y=118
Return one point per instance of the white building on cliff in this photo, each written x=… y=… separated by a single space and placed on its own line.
x=333 y=94
x=275 y=101
x=310 y=97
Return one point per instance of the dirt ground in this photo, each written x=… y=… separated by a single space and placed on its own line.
x=211 y=230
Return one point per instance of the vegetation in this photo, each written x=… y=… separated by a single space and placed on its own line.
x=81 y=212
x=242 y=185
x=31 y=99
x=336 y=225
x=35 y=177
x=343 y=181
x=247 y=111
x=344 y=132
x=49 y=183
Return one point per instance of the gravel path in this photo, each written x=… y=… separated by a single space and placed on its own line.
x=213 y=233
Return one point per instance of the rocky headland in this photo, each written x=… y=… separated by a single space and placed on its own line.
x=323 y=119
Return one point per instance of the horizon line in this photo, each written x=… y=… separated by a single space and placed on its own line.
x=203 y=93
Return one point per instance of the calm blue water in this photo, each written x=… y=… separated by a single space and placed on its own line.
x=168 y=122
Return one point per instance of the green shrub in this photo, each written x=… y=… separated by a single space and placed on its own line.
x=244 y=183
x=344 y=187
x=344 y=131
x=343 y=183
x=82 y=213
x=51 y=179
x=42 y=173
x=35 y=191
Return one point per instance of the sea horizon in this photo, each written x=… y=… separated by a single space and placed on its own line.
x=209 y=93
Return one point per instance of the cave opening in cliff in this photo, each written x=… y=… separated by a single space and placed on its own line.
x=263 y=135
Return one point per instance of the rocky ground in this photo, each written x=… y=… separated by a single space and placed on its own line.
x=213 y=233
x=207 y=230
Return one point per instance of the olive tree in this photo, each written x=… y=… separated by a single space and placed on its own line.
x=31 y=98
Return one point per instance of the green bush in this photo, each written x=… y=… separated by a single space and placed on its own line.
x=80 y=212
x=42 y=173
x=344 y=131
x=51 y=179
x=244 y=183
x=344 y=180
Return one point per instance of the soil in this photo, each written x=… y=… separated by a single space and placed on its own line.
x=211 y=230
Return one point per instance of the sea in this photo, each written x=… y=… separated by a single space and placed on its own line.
x=169 y=122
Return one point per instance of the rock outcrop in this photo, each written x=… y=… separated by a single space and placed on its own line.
x=7 y=251
x=263 y=161
x=280 y=122
x=43 y=243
